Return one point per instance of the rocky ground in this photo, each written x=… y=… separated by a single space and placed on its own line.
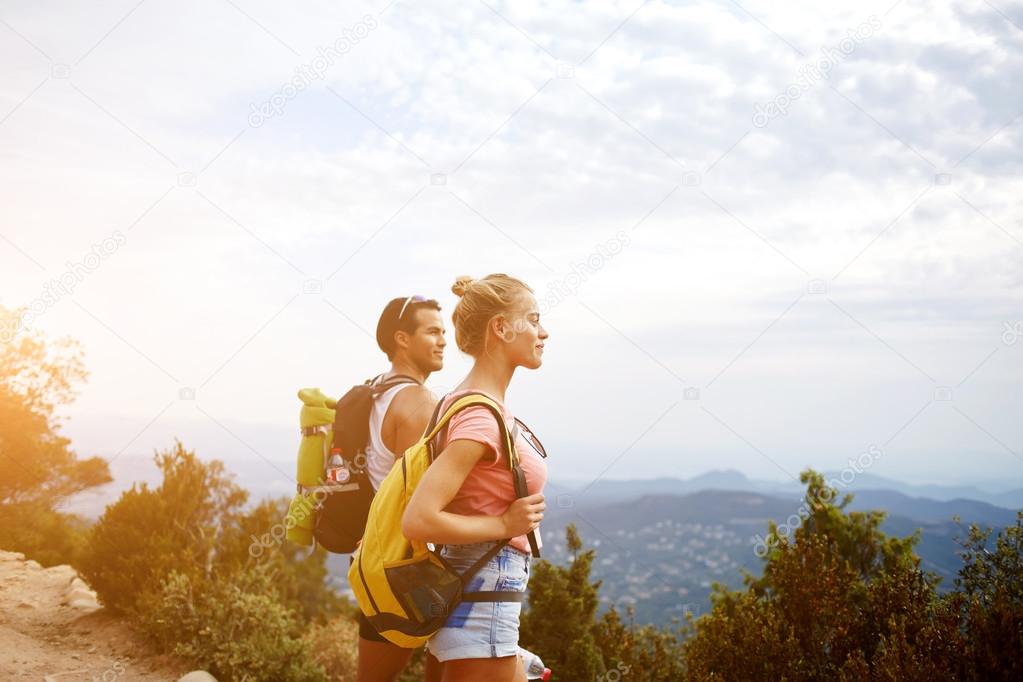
x=52 y=629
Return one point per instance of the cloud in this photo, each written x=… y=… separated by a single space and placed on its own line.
x=463 y=138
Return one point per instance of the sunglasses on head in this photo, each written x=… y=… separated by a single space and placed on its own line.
x=411 y=299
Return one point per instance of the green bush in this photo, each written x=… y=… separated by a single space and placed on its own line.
x=989 y=602
x=334 y=646
x=840 y=600
x=236 y=629
x=41 y=533
x=254 y=538
x=559 y=621
x=150 y=533
x=187 y=562
x=640 y=652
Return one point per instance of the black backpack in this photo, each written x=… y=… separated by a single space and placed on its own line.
x=341 y=519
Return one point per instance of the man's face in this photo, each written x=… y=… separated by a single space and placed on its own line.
x=426 y=344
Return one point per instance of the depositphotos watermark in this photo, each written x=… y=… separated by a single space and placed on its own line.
x=1012 y=332
x=63 y=285
x=570 y=283
x=315 y=70
x=304 y=508
x=112 y=673
x=615 y=674
x=812 y=73
x=761 y=545
x=279 y=531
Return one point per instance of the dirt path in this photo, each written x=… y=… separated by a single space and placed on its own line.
x=52 y=630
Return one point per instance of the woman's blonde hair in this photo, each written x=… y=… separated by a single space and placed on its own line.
x=480 y=301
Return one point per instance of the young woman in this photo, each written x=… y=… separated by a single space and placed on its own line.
x=466 y=500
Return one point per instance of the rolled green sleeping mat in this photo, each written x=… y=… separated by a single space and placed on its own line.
x=317 y=410
x=301 y=519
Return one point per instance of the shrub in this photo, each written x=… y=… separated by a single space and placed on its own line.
x=334 y=646
x=839 y=600
x=236 y=629
x=149 y=533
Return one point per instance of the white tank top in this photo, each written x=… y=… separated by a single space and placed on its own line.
x=379 y=459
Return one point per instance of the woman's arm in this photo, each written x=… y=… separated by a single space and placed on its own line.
x=425 y=519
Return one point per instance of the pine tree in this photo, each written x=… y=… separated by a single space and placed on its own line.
x=558 y=624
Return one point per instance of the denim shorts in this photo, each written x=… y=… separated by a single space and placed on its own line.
x=483 y=629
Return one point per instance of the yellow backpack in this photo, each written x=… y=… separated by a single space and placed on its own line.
x=405 y=589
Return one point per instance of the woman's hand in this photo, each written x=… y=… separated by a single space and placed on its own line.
x=524 y=515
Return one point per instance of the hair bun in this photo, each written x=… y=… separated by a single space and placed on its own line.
x=462 y=285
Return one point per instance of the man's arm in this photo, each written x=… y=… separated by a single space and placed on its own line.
x=407 y=417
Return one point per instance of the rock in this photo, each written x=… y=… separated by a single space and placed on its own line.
x=77 y=583
x=33 y=564
x=87 y=605
x=78 y=594
x=61 y=570
x=198 y=676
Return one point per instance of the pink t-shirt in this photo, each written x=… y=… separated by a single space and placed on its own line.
x=489 y=488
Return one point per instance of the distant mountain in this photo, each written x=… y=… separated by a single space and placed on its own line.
x=606 y=490
x=935 y=511
x=1012 y=499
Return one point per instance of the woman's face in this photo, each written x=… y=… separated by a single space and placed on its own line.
x=523 y=334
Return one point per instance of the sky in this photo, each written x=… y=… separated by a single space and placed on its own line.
x=764 y=237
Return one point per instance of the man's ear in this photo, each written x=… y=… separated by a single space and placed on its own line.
x=401 y=339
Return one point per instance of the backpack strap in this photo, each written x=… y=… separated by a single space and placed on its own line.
x=482 y=595
x=389 y=383
x=507 y=440
x=463 y=402
x=482 y=561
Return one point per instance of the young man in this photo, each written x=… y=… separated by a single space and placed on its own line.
x=411 y=333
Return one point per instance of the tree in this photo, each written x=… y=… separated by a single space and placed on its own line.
x=558 y=624
x=149 y=533
x=839 y=600
x=38 y=469
x=195 y=524
x=638 y=652
x=207 y=578
x=989 y=602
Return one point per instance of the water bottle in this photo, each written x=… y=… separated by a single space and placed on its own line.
x=337 y=472
x=535 y=669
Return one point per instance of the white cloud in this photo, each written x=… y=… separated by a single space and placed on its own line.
x=541 y=164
